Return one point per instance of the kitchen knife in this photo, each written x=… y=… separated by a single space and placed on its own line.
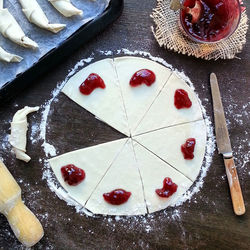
x=224 y=148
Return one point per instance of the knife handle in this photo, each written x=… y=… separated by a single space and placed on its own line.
x=235 y=189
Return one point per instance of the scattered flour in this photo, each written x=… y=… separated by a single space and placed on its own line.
x=50 y=150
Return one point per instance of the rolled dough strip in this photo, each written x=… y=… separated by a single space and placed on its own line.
x=19 y=127
x=8 y=57
x=1 y=4
x=66 y=8
x=11 y=30
x=35 y=14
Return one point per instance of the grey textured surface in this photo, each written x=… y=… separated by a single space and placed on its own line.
x=206 y=222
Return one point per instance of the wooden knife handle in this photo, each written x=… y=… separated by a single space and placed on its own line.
x=235 y=189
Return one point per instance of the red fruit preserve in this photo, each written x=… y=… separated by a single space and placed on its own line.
x=181 y=99
x=143 y=76
x=72 y=174
x=92 y=82
x=169 y=187
x=117 y=196
x=187 y=149
x=210 y=20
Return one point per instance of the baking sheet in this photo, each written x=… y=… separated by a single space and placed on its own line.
x=45 y=39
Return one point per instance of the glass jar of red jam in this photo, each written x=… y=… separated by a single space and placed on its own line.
x=209 y=21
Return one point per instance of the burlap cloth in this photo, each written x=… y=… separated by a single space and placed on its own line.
x=169 y=35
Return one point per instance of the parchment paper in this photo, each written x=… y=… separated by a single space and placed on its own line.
x=45 y=39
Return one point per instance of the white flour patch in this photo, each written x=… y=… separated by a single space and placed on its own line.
x=144 y=221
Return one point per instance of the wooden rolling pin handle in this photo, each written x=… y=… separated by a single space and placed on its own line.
x=235 y=189
x=24 y=224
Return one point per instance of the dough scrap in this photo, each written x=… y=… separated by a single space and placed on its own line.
x=163 y=112
x=66 y=8
x=8 y=57
x=166 y=144
x=18 y=137
x=137 y=100
x=35 y=15
x=153 y=171
x=106 y=104
x=123 y=174
x=93 y=160
x=11 y=30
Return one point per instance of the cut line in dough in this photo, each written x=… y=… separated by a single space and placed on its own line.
x=106 y=104
x=122 y=171
x=66 y=8
x=153 y=171
x=147 y=158
x=137 y=100
x=35 y=14
x=163 y=112
x=95 y=161
x=166 y=144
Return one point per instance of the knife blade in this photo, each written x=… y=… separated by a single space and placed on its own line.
x=225 y=148
x=221 y=131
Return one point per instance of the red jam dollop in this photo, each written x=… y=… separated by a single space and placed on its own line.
x=187 y=149
x=210 y=20
x=143 y=76
x=72 y=174
x=92 y=82
x=181 y=99
x=117 y=196
x=169 y=188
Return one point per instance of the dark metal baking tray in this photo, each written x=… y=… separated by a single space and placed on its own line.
x=79 y=38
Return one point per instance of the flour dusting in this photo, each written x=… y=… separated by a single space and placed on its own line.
x=50 y=150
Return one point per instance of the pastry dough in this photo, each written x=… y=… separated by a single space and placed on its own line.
x=163 y=112
x=19 y=127
x=66 y=8
x=106 y=104
x=166 y=143
x=123 y=174
x=11 y=30
x=153 y=171
x=95 y=161
x=138 y=99
x=152 y=153
x=8 y=57
x=35 y=15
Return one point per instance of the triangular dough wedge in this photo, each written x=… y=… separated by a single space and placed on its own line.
x=163 y=112
x=138 y=99
x=106 y=104
x=166 y=144
x=124 y=174
x=35 y=14
x=153 y=171
x=93 y=160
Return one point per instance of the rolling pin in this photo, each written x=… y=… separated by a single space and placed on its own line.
x=23 y=222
